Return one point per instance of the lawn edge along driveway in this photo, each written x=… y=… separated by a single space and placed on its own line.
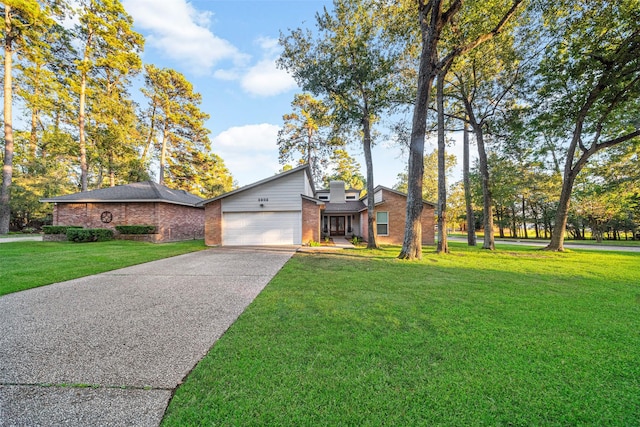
x=109 y=349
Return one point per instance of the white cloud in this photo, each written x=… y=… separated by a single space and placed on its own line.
x=176 y=28
x=249 y=151
x=269 y=45
x=265 y=79
x=262 y=137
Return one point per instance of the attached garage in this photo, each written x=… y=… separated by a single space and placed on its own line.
x=261 y=228
x=279 y=210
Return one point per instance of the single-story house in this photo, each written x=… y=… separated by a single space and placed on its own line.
x=280 y=210
x=285 y=209
x=176 y=214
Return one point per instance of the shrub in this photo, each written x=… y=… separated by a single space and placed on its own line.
x=80 y=235
x=313 y=243
x=58 y=229
x=356 y=240
x=135 y=229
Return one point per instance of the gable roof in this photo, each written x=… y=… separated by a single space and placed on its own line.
x=304 y=167
x=400 y=193
x=146 y=191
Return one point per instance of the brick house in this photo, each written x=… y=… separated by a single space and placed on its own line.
x=174 y=213
x=390 y=214
x=286 y=210
x=345 y=214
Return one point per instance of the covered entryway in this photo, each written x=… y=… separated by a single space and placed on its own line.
x=336 y=225
x=261 y=228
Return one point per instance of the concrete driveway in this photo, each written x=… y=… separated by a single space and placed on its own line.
x=110 y=349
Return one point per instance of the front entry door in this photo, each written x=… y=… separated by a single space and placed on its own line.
x=336 y=224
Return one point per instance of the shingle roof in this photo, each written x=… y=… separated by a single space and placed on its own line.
x=137 y=192
x=350 y=206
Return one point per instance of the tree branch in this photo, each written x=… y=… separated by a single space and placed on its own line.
x=481 y=39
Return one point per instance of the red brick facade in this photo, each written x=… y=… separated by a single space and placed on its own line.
x=396 y=206
x=213 y=223
x=172 y=222
x=311 y=219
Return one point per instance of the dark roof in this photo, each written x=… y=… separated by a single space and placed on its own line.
x=304 y=167
x=137 y=192
x=349 y=206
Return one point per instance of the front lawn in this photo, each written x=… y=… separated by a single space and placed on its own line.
x=25 y=265
x=516 y=337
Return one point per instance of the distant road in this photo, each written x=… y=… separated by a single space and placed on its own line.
x=568 y=245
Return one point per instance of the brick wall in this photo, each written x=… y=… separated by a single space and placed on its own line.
x=213 y=223
x=176 y=222
x=311 y=220
x=172 y=222
x=396 y=206
x=428 y=224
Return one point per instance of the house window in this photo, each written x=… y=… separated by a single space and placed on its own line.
x=382 y=223
x=324 y=197
x=351 y=197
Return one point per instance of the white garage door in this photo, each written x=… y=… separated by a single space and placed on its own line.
x=261 y=228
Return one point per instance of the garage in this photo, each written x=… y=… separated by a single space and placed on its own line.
x=261 y=228
x=278 y=210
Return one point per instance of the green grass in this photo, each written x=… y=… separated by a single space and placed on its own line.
x=515 y=337
x=532 y=238
x=25 y=265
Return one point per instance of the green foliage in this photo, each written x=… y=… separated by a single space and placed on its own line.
x=136 y=229
x=84 y=235
x=345 y=169
x=430 y=176
x=352 y=67
x=356 y=240
x=60 y=71
x=58 y=229
x=516 y=336
x=588 y=85
x=176 y=125
x=306 y=134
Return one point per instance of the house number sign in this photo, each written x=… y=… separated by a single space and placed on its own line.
x=263 y=199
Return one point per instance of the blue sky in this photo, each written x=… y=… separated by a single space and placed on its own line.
x=227 y=49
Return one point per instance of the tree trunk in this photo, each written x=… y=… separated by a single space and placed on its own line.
x=7 y=168
x=487 y=199
x=147 y=146
x=371 y=220
x=84 y=170
x=471 y=220
x=112 y=173
x=562 y=214
x=412 y=243
x=33 y=137
x=163 y=153
x=443 y=245
x=524 y=219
